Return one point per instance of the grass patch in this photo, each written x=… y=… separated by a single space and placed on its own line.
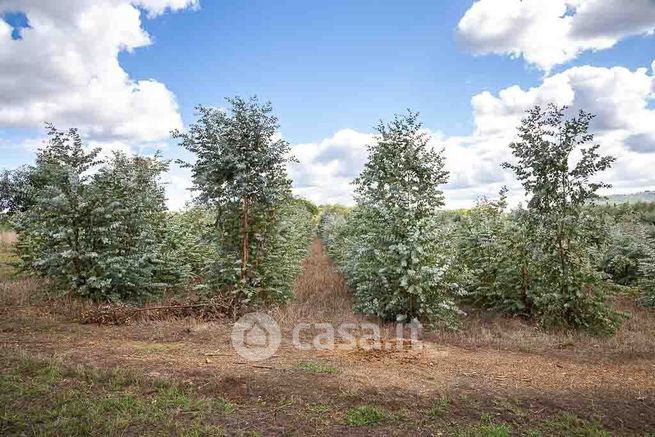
x=440 y=408
x=314 y=367
x=365 y=415
x=568 y=424
x=486 y=428
x=318 y=408
x=43 y=397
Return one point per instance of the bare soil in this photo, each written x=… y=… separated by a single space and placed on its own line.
x=502 y=370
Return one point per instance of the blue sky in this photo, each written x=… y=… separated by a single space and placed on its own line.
x=342 y=64
x=133 y=70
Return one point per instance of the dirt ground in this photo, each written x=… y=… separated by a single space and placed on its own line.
x=496 y=371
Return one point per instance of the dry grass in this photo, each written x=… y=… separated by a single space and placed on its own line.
x=321 y=293
x=21 y=291
x=15 y=291
x=322 y=296
x=7 y=239
x=634 y=339
x=495 y=366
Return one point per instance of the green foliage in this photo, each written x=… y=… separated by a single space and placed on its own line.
x=625 y=248
x=365 y=415
x=17 y=190
x=287 y=246
x=647 y=271
x=394 y=248
x=240 y=175
x=331 y=223
x=565 y=288
x=309 y=206
x=629 y=255
x=185 y=247
x=97 y=233
x=495 y=254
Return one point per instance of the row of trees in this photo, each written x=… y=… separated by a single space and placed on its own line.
x=100 y=228
x=404 y=258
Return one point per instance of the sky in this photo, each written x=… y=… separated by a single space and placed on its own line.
x=127 y=72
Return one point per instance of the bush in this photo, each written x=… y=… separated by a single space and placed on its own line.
x=94 y=234
x=186 y=247
x=287 y=246
x=493 y=251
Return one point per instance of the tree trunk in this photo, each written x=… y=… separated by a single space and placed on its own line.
x=525 y=287
x=245 y=240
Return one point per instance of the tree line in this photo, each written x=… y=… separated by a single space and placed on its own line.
x=100 y=227
x=550 y=260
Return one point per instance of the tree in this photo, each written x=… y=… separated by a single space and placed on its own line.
x=646 y=280
x=566 y=289
x=239 y=172
x=128 y=229
x=399 y=259
x=17 y=190
x=53 y=237
x=94 y=229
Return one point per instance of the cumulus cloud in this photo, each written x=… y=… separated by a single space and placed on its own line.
x=548 y=33
x=326 y=168
x=64 y=68
x=624 y=127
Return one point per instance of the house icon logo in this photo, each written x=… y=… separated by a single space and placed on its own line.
x=256 y=336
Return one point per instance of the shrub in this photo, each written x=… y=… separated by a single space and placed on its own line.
x=493 y=250
x=287 y=246
x=95 y=234
x=185 y=247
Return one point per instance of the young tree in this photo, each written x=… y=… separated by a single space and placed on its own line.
x=399 y=260
x=646 y=281
x=128 y=228
x=53 y=233
x=556 y=161
x=94 y=230
x=240 y=172
x=17 y=190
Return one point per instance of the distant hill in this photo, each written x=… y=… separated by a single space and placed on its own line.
x=643 y=196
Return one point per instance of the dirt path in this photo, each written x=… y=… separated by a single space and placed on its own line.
x=509 y=386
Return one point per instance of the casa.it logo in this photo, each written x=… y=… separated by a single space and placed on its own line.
x=256 y=336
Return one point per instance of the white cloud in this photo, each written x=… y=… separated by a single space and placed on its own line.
x=548 y=33
x=178 y=183
x=65 y=69
x=326 y=169
x=624 y=127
